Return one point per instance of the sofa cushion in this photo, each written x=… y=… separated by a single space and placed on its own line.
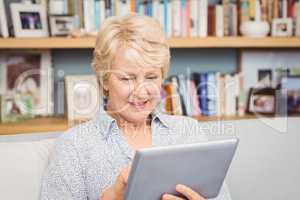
x=21 y=168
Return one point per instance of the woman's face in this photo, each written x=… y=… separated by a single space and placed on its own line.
x=133 y=92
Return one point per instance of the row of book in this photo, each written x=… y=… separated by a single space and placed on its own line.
x=206 y=94
x=185 y=18
x=179 y=18
x=268 y=9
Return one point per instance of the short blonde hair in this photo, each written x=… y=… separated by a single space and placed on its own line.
x=143 y=35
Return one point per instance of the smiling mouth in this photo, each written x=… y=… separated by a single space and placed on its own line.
x=139 y=105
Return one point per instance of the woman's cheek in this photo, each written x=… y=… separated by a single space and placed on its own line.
x=154 y=91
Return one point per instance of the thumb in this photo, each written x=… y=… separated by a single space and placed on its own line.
x=125 y=173
x=122 y=179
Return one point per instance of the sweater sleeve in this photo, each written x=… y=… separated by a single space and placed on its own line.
x=63 y=178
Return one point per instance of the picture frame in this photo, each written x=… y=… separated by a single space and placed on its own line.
x=282 y=27
x=29 y=20
x=264 y=77
x=262 y=101
x=61 y=25
x=29 y=72
x=15 y=107
x=82 y=97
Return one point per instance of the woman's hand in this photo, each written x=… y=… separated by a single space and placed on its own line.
x=185 y=191
x=117 y=190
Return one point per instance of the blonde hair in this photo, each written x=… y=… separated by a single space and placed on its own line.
x=142 y=35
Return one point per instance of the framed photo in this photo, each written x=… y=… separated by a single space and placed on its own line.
x=282 y=27
x=15 y=107
x=264 y=77
x=83 y=97
x=29 y=20
x=291 y=90
x=262 y=101
x=29 y=73
x=61 y=25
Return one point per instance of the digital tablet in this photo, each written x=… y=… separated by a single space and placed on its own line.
x=201 y=166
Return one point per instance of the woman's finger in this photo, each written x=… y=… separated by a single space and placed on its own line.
x=125 y=174
x=188 y=192
x=170 y=197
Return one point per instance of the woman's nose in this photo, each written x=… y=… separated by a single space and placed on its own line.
x=140 y=90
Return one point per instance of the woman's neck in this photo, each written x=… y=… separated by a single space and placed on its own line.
x=131 y=128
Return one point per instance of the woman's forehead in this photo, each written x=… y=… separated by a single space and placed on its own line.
x=126 y=60
x=133 y=69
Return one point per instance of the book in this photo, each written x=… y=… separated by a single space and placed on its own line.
x=219 y=21
x=194 y=98
x=226 y=17
x=194 y=18
x=203 y=18
x=3 y=21
x=297 y=28
x=233 y=20
x=176 y=18
x=59 y=98
x=89 y=16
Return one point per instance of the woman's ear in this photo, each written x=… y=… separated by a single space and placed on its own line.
x=105 y=85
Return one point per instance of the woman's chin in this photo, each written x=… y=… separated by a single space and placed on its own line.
x=136 y=117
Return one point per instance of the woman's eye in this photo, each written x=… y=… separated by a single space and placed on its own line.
x=126 y=79
x=151 y=77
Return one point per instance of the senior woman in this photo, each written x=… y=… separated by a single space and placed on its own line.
x=90 y=161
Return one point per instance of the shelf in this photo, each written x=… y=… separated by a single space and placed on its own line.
x=50 y=124
x=34 y=126
x=188 y=42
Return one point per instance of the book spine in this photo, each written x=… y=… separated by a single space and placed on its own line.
x=270 y=11
x=203 y=94
x=166 y=19
x=107 y=8
x=264 y=10
x=211 y=20
x=203 y=18
x=188 y=18
x=252 y=8
x=161 y=14
x=176 y=101
x=244 y=11
x=97 y=14
x=168 y=98
x=219 y=21
x=3 y=20
x=194 y=18
x=132 y=6
x=276 y=9
x=284 y=9
x=211 y=94
x=194 y=98
x=297 y=30
x=183 y=12
x=156 y=10
x=183 y=92
x=233 y=31
x=226 y=17
x=176 y=18
x=102 y=11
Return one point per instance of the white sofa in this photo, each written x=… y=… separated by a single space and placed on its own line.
x=266 y=165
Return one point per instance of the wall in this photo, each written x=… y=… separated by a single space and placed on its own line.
x=77 y=61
